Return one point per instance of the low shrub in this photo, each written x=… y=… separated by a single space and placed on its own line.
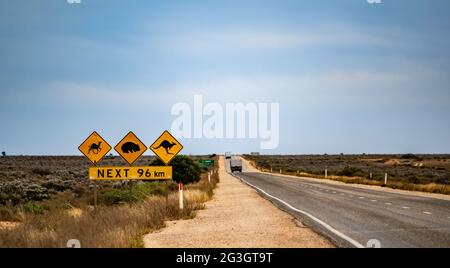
x=20 y=191
x=34 y=208
x=58 y=184
x=410 y=157
x=137 y=193
x=349 y=171
x=40 y=171
x=185 y=169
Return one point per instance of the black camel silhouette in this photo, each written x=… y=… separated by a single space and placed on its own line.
x=166 y=145
x=95 y=148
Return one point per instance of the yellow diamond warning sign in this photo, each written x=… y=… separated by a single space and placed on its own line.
x=166 y=147
x=94 y=148
x=130 y=148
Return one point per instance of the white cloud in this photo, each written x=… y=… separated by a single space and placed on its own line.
x=325 y=35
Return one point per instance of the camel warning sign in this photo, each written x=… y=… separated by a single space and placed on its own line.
x=94 y=148
x=130 y=148
x=166 y=147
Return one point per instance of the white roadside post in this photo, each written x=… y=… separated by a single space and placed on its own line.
x=180 y=188
x=280 y=171
x=209 y=177
x=385 y=178
x=370 y=175
x=326 y=173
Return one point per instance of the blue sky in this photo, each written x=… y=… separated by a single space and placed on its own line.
x=350 y=77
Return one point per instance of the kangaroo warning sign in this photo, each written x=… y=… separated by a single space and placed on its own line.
x=94 y=148
x=166 y=147
x=130 y=148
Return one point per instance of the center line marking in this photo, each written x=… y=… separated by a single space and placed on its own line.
x=361 y=197
x=388 y=204
x=426 y=212
x=373 y=200
x=405 y=207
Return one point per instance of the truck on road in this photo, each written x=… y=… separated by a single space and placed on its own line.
x=236 y=165
x=227 y=155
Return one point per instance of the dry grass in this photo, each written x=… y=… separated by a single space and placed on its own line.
x=107 y=226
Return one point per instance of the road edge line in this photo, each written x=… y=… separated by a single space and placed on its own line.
x=324 y=224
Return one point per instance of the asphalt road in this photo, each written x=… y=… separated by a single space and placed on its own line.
x=351 y=216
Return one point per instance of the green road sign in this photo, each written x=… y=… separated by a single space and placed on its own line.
x=206 y=163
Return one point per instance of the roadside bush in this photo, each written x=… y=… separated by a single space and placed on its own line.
x=185 y=169
x=349 y=171
x=114 y=196
x=413 y=179
x=18 y=192
x=410 y=156
x=138 y=192
x=58 y=184
x=41 y=171
x=34 y=208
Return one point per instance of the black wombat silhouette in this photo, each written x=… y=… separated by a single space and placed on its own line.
x=130 y=147
x=95 y=148
x=166 y=145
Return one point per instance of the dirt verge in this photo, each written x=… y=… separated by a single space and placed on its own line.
x=236 y=217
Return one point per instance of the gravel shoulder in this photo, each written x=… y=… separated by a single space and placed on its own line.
x=236 y=217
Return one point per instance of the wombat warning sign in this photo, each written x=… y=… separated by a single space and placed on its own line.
x=130 y=148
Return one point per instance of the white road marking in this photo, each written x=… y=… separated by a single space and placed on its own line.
x=427 y=212
x=361 y=197
x=388 y=204
x=405 y=207
x=324 y=224
x=342 y=194
x=334 y=192
x=373 y=200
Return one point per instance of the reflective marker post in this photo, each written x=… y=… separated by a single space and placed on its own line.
x=180 y=188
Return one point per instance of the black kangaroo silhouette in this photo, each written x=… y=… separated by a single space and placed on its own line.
x=130 y=147
x=166 y=145
x=95 y=148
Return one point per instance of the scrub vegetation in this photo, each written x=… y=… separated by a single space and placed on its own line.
x=45 y=201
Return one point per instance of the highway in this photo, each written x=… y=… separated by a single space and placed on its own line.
x=351 y=216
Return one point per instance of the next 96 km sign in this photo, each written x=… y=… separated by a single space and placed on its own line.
x=131 y=173
x=130 y=148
